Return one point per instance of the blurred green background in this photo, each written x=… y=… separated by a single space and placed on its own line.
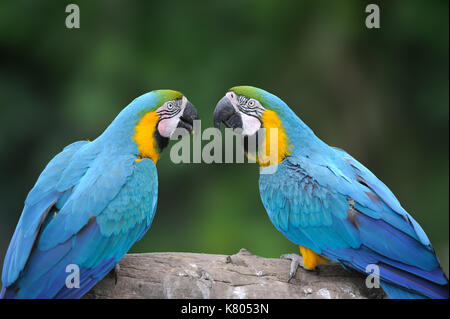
x=382 y=95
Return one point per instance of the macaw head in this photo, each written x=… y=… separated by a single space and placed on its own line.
x=174 y=111
x=151 y=120
x=249 y=109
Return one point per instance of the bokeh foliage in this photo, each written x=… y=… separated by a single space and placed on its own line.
x=382 y=95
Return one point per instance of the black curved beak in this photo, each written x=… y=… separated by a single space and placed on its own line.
x=188 y=117
x=225 y=112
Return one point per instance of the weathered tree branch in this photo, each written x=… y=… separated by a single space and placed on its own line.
x=243 y=275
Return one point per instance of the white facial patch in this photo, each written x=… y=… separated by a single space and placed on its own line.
x=250 y=124
x=167 y=126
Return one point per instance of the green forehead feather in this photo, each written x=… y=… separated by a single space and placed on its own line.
x=154 y=99
x=248 y=91
x=253 y=93
x=167 y=95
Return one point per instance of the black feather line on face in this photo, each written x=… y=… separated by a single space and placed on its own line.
x=161 y=141
x=251 y=111
x=168 y=114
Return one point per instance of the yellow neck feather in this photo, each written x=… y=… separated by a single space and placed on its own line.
x=144 y=136
x=265 y=157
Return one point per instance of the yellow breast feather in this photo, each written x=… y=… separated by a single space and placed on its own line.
x=273 y=125
x=145 y=138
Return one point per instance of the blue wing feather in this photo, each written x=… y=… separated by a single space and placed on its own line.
x=37 y=204
x=98 y=187
x=96 y=225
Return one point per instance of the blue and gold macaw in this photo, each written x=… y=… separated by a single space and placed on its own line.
x=328 y=203
x=93 y=201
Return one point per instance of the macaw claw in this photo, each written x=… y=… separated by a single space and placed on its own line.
x=116 y=273
x=296 y=261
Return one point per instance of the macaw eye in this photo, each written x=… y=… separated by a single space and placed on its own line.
x=251 y=103
x=170 y=105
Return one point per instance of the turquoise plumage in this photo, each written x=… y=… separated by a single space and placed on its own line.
x=321 y=198
x=91 y=203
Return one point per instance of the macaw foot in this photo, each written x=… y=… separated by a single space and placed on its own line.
x=116 y=273
x=297 y=261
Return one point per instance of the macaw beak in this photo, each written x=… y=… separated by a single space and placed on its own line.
x=226 y=113
x=188 y=117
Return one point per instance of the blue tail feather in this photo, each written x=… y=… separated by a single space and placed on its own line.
x=395 y=292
